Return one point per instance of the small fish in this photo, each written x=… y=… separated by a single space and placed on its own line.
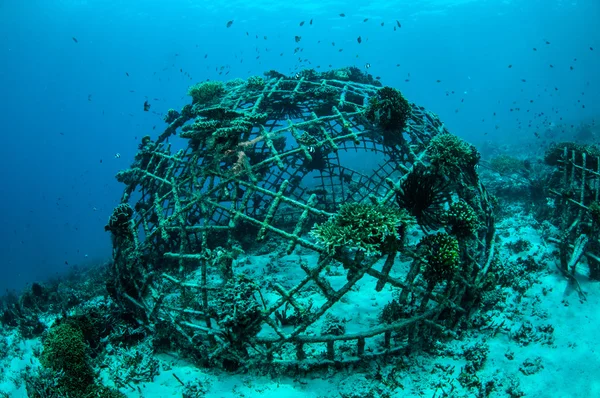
x=297 y=38
x=365 y=20
x=591 y=48
x=89 y=97
x=146 y=106
x=383 y=23
x=509 y=66
x=127 y=74
x=367 y=65
x=398 y=23
x=310 y=23
x=534 y=49
x=342 y=15
x=117 y=155
x=359 y=40
x=302 y=23
x=229 y=23
x=75 y=39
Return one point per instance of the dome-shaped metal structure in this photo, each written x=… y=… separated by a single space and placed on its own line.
x=375 y=227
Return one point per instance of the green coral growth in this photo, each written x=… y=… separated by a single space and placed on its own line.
x=65 y=351
x=373 y=228
x=206 y=93
x=389 y=109
x=450 y=155
x=441 y=255
x=505 y=164
x=255 y=83
x=462 y=219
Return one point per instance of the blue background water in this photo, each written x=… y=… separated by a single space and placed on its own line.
x=67 y=108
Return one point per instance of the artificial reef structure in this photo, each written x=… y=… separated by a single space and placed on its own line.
x=301 y=221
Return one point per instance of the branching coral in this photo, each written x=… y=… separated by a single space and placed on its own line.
x=450 y=155
x=462 y=219
x=206 y=93
x=441 y=255
x=390 y=110
x=372 y=228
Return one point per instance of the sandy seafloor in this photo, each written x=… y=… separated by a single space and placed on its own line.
x=542 y=343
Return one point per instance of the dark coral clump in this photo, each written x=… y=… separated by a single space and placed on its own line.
x=462 y=219
x=423 y=194
x=389 y=110
x=452 y=156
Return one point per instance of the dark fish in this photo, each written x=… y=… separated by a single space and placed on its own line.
x=359 y=40
x=75 y=39
x=247 y=34
x=127 y=74
x=205 y=55
x=534 y=49
x=333 y=43
x=297 y=38
x=438 y=81
x=398 y=23
x=570 y=67
x=230 y=23
x=89 y=97
x=365 y=20
x=509 y=66
x=302 y=23
x=310 y=23
x=382 y=23
x=591 y=48
x=146 y=106
x=547 y=42
x=378 y=77
x=342 y=15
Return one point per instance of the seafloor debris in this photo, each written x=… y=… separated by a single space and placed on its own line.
x=265 y=161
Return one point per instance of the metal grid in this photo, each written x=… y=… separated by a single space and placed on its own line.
x=292 y=164
x=576 y=197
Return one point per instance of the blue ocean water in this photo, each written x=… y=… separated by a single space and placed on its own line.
x=75 y=75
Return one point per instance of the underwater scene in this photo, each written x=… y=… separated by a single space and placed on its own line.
x=352 y=199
